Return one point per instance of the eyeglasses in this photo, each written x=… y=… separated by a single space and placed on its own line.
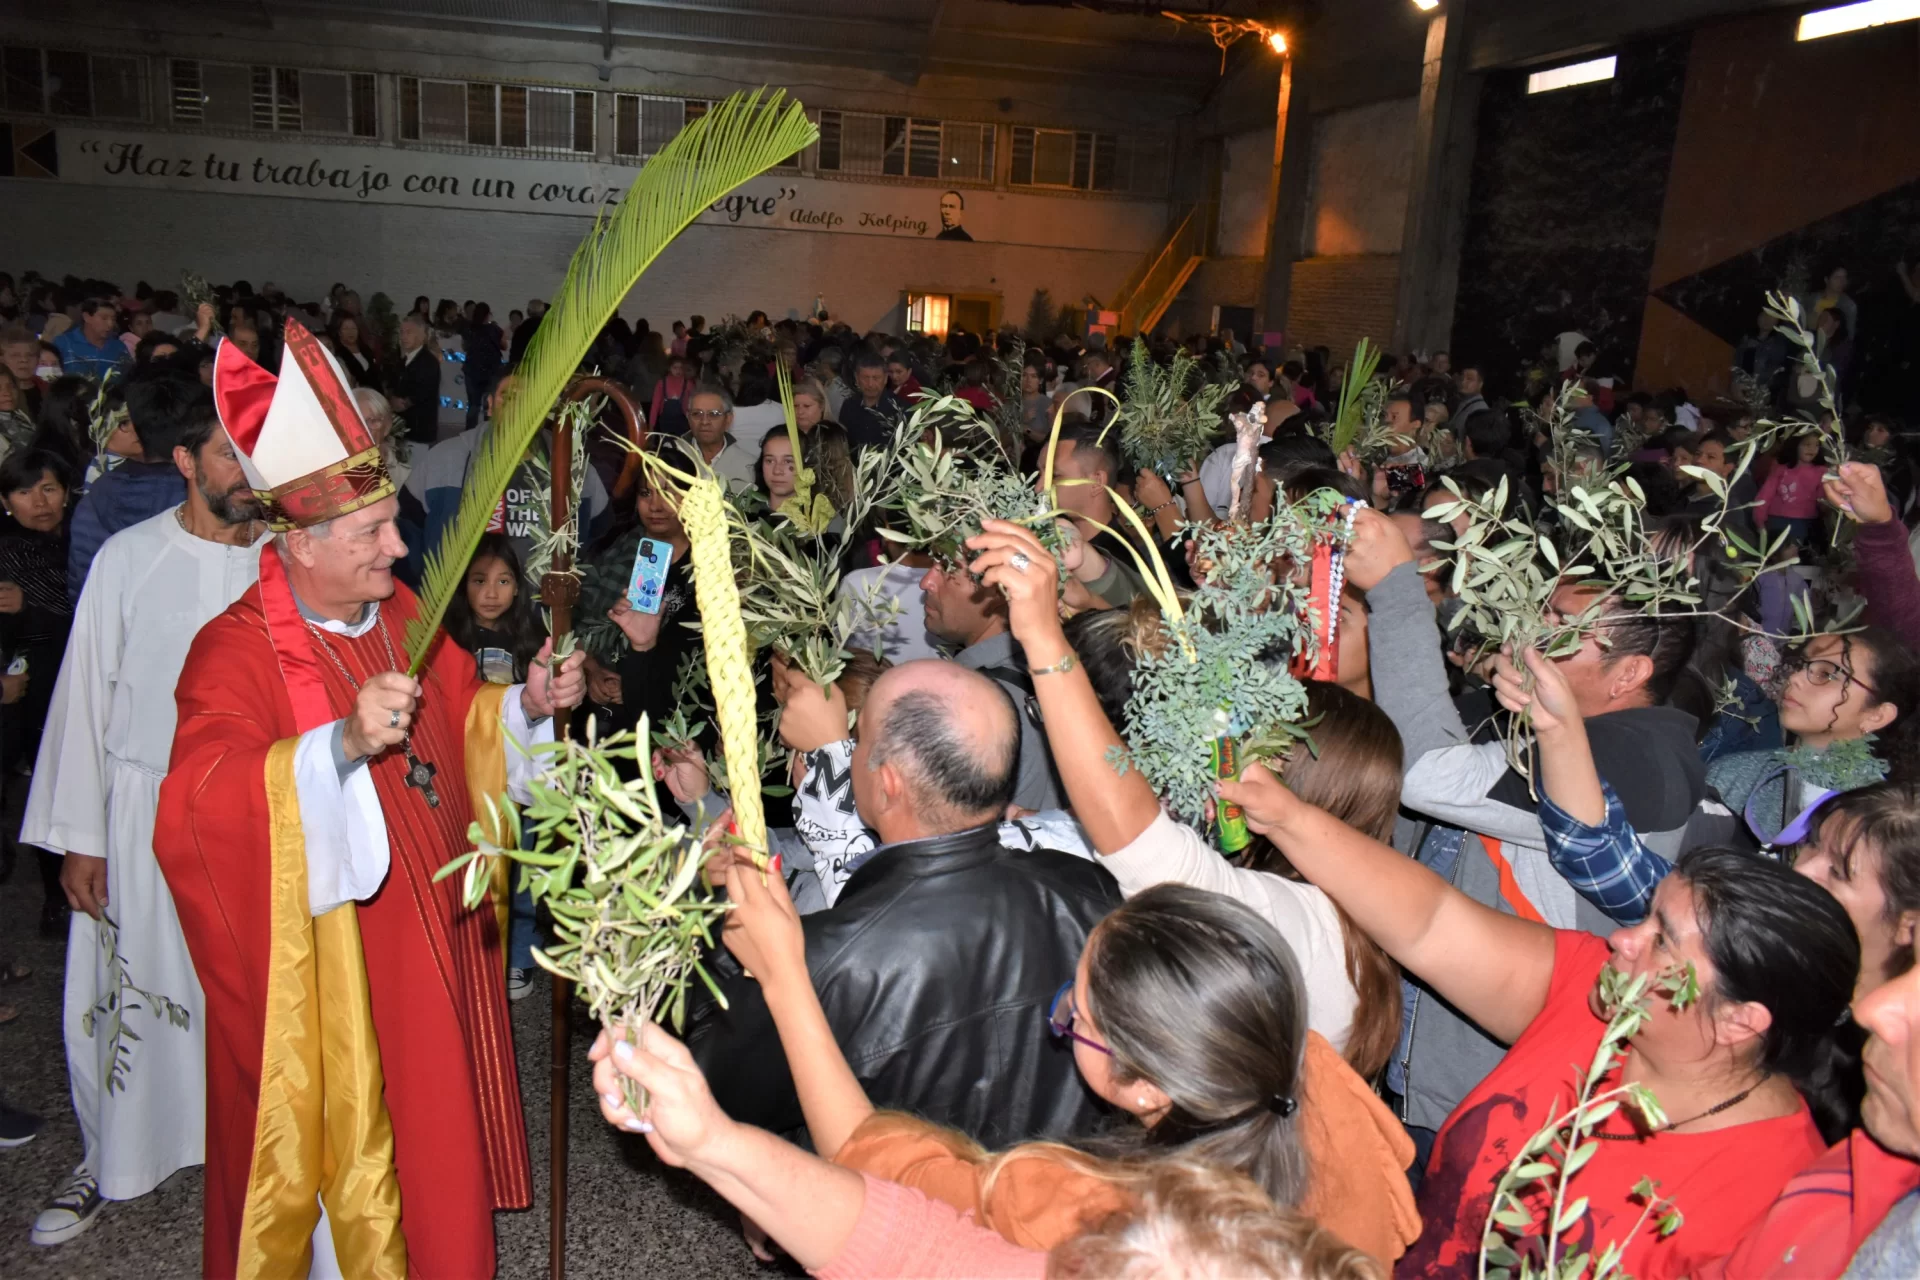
x=1061 y=1022
x=707 y=415
x=1820 y=671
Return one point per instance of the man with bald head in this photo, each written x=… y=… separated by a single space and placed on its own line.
x=939 y=961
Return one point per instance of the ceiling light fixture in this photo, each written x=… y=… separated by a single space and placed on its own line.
x=1572 y=74
x=1855 y=17
x=1426 y=6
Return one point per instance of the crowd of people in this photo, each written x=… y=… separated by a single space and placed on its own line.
x=1004 y=1010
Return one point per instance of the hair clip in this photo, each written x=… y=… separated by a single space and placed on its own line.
x=1281 y=1105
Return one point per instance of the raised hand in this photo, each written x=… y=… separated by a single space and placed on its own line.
x=1030 y=584
x=1859 y=490
x=641 y=629
x=684 y=770
x=763 y=930
x=810 y=717
x=382 y=715
x=1551 y=699
x=1151 y=491
x=1265 y=800
x=1378 y=546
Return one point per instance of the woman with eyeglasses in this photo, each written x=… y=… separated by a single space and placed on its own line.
x=1186 y=1013
x=1848 y=701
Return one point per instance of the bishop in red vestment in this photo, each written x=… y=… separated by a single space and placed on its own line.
x=359 y=1056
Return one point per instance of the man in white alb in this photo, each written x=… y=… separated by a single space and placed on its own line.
x=96 y=786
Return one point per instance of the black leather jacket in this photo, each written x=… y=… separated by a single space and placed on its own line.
x=935 y=967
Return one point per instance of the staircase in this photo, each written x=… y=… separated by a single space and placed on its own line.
x=1162 y=274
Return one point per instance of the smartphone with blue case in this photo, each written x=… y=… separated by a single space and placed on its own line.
x=649 y=581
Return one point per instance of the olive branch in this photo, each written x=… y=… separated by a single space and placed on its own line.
x=1224 y=673
x=1506 y=572
x=1563 y=1146
x=630 y=916
x=112 y=1008
x=1171 y=418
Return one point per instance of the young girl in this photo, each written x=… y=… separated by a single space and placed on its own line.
x=494 y=618
x=775 y=469
x=1790 y=498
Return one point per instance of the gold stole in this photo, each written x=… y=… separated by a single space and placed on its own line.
x=486 y=760
x=322 y=1130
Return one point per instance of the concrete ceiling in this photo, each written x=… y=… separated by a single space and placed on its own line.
x=904 y=39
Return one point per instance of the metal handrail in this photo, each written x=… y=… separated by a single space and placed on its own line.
x=1165 y=271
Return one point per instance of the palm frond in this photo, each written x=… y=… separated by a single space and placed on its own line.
x=737 y=140
x=1348 y=420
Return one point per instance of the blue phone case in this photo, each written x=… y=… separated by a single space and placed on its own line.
x=650 y=565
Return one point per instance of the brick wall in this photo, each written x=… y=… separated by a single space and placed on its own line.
x=1219 y=282
x=1337 y=301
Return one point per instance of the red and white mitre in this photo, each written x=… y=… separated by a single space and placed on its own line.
x=305 y=448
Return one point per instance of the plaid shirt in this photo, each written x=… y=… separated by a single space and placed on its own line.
x=1609 y=865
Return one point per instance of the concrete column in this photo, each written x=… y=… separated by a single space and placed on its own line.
x=1443 y=146
x=1286 y=196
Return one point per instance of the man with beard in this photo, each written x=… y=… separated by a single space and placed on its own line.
x=96 y=787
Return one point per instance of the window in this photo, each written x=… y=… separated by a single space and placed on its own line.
x=224 y=95
x=59 y=82
x=1567 y=77
x=1085 y=161
x=928 y=313
x=478 y=114
x=966 y=152
x=905 y=147
x=642 y=124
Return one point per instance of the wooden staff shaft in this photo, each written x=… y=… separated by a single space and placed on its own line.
x=558 y=591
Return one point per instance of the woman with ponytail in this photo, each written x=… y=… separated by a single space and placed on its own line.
x=1742 y=1071
x=1186 y=1013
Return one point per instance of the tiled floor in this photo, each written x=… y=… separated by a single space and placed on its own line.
x=629 y=1215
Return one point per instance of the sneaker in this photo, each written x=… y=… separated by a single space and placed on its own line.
x=17 y=1128
x=71 y=1211
x=519 y=984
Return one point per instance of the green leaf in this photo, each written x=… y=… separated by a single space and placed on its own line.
x=733 y=142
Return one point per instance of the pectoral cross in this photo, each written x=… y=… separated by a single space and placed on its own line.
x=420 y=776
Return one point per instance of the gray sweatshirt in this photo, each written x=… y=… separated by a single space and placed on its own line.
x=1457 y=790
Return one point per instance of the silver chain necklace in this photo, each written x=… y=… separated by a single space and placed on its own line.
x=420 y=772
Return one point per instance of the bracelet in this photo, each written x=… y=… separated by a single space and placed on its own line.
x=1157 y=510
x=1059 y=668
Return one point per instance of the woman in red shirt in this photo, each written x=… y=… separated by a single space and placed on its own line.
x=1775 y=959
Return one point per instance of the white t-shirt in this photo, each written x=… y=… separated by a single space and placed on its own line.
x=1169 y=853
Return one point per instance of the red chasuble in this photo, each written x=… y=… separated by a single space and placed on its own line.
x=433 y=970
